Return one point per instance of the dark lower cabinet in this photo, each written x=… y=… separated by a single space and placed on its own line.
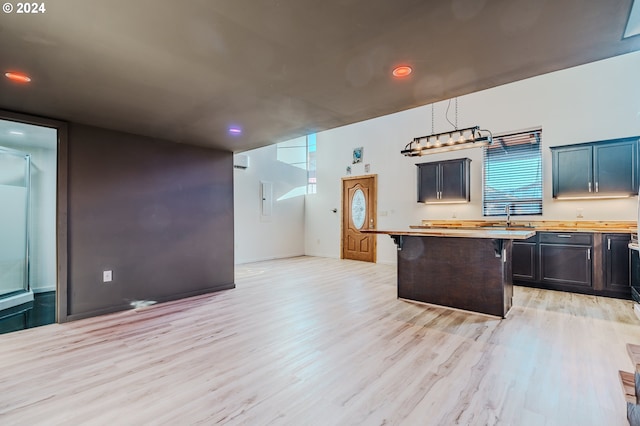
x=524 y=259
x=580 y=262
x=617 y=262
x=567 y=265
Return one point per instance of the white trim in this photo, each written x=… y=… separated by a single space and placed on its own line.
x=44 y=289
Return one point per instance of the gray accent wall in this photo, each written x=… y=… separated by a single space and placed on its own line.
x=157 y=213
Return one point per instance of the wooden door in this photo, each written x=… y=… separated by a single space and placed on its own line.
x=359 y=201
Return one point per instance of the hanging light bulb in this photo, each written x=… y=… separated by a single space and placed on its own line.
x=450 y=141
x=461 y=138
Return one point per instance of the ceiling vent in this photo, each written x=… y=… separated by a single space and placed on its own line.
x=240 y=161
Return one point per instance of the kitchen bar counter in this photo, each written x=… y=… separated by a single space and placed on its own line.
x=504 y=234
x=467 y=269
x=612 y=227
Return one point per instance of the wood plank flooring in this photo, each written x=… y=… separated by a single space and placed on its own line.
x=324 y=341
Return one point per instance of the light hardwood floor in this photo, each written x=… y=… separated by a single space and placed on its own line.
x=323 y=341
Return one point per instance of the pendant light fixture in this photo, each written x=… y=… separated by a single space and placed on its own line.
x=451 y=140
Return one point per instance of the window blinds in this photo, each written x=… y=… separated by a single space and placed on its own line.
x=513 y=174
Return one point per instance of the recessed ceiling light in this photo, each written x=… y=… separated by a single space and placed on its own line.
x=17 y=77
x=235 y=130
x=402 y=71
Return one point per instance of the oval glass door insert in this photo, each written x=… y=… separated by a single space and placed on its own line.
x=358 y=209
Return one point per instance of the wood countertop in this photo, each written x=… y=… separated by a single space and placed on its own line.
x=623 y=227
x=498 y=234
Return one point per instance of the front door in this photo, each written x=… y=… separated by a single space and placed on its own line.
x=359 y=200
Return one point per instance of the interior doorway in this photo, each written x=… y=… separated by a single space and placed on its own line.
x=359 y=211
x=28 y=224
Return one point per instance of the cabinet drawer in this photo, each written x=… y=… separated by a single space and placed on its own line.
x=578 y=238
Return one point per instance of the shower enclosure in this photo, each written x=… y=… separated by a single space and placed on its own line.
x=14 y=227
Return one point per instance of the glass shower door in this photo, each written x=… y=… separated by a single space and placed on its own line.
x=14 y=214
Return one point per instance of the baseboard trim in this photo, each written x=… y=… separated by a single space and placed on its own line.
x=264 y=259
x=128 y=306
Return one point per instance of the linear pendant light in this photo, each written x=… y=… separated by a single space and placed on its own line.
x=470 y=137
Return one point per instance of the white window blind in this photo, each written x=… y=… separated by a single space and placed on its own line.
x=513 y=174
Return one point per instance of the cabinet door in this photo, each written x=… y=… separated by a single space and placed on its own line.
x=524 y=261
x=572 y=171
x=565 y=264
x=614 y=168
x=617 y=260
x=428 y=182
x=454 y=184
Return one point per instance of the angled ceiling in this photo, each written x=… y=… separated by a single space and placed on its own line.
x=188 y=70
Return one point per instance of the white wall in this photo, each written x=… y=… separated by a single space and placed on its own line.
x=280 y=235
x=588 y=103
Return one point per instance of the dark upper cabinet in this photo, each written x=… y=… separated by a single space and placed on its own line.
x=572 y=170
x=428 y=182
x=444 y=181
x=615 y=168
x=617 y=259
x=596 y=169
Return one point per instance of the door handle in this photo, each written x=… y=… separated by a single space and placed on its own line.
x=564 y=236
x=589 y=186
x=609 y=244
x=596 y=186
x=588 y=254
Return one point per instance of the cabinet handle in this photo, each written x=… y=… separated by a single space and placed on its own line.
x=564 y=236
x=609 y=244
x=589 y=186
x=588 y=254
x=596 y=186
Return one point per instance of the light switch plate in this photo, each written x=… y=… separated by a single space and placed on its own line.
x=107 y=276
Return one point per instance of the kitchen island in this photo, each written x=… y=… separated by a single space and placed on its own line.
x=466 y=269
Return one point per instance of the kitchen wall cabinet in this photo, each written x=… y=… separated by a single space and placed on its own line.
x=444 y=181
x=617 y=261
x=596 y=169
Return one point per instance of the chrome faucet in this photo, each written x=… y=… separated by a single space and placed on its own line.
x=507 y=210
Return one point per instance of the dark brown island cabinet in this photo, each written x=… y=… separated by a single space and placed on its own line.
x=463 y=269
x=580 y=262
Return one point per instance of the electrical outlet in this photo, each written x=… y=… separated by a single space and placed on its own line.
x=107 y=276
x=579 y=212
x=454 y=214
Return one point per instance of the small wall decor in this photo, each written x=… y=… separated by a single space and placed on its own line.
x=357 y=155
x=348 y=170
x=367 y=168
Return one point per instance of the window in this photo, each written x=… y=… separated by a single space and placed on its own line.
x=311 y=163
x=513 y=174
x=301 y=153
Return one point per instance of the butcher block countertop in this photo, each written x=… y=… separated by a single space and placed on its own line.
x=623 y=227
x=498 y=234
